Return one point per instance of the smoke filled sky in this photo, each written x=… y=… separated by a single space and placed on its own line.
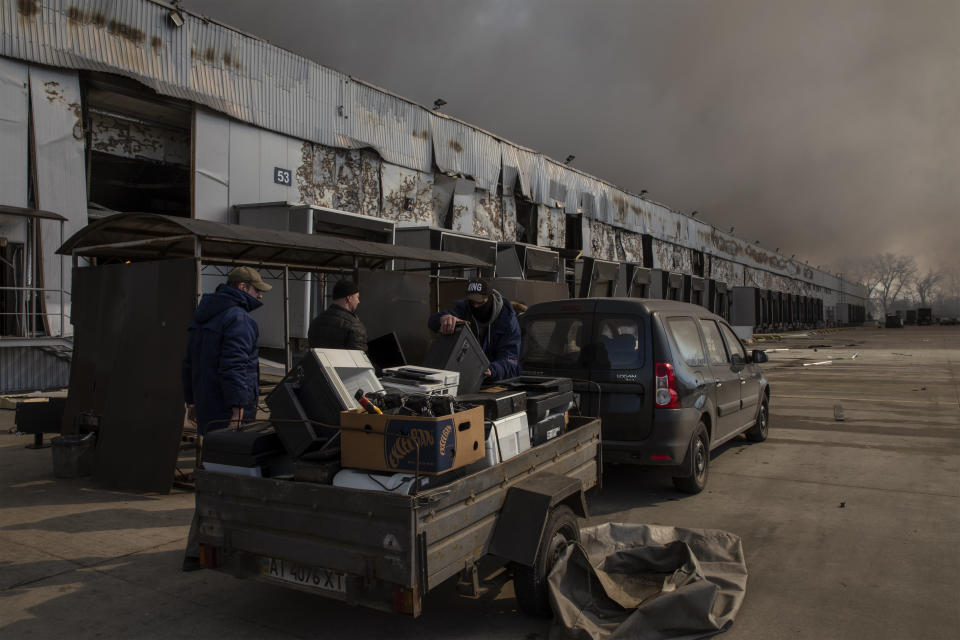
x=829 y=129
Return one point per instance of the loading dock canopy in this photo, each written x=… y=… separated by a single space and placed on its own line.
x=154 y=236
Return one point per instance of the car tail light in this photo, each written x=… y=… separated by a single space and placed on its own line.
x=666 y=386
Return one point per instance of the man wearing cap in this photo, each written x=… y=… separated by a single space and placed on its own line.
x=221 y=370
x=221 y=373
x=339 y=327
x=492 y=320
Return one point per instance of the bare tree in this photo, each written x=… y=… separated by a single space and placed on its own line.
x=885 y=276
x=924 y=285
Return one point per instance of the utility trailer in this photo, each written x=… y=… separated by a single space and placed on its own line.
x=385 y=550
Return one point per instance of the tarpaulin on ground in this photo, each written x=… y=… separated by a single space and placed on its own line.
x=646 y=581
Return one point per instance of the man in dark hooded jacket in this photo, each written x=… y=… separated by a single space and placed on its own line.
x=221 y=370
x=492 y=320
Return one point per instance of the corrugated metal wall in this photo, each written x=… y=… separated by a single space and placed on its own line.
x=25 y=369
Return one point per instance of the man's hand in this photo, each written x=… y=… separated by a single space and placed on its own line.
x=487 y=373
x=235 y=417
x=192 y=414
x=448 y=323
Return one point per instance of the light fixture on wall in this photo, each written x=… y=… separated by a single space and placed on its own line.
x=176 y=17
x=731 y=229
x=439 y=102
x=693 y=214
x=569 y=159
x=643 y=192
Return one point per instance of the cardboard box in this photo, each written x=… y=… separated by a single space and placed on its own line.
x=389 y=443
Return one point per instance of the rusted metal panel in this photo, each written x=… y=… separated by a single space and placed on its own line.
x=464 y=150
x=60 y=163
x=398 y=129
x=551 y=227
x=15 y=107
x=407 y=194
x=127 y=137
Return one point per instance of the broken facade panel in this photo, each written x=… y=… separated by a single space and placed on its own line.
x=488 y=216
x=531 y=171
x=551 y=226
x=442 y=198
x=509 y=205
x=358 y=182
x=397 y=129
x=316 y=175
x=600 y=241
x=629 y=246
x=672 y=257
x=464 y=204
x=127 y=137
x=463 y=150
x=407 y=194
x=60 y=181
x=726 y=271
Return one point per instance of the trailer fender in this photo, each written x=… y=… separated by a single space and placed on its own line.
x=525 y=511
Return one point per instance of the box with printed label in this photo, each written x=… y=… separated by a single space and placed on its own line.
x=392 y=443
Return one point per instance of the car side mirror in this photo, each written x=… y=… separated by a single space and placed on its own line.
x=758 y=356
x=737 y=363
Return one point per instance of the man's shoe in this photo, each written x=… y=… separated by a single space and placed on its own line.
x=192 y=564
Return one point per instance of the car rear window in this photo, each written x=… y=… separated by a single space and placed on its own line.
x=553 y=341
x=620 y=343
x=685 y=334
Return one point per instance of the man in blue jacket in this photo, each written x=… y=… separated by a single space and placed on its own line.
x=221 y=371
x=492 y=320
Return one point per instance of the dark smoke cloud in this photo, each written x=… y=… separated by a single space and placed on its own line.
x=827 y=128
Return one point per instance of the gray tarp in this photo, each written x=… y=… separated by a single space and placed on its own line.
x=646 y=581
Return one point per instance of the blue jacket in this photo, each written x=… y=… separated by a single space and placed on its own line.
x=501 y=346
x=221 y=370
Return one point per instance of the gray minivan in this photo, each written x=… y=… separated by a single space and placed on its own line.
x=670 y=380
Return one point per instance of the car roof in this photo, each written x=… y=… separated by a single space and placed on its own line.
x=647 y=305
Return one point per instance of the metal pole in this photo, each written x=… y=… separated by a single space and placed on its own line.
x=288 y=357
x=60 y=258
x=197 y=268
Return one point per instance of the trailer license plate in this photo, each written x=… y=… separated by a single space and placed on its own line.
x=287 y=571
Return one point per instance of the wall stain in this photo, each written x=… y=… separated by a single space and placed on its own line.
x=28 y=8
x=456 y=146
x=126 y=31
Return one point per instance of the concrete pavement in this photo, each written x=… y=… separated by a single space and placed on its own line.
x=851 y=528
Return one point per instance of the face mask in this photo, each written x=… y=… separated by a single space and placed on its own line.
x=484 y=311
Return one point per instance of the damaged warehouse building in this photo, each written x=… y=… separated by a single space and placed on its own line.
x=140 y=106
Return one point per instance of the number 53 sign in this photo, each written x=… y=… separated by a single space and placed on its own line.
x=281 y=176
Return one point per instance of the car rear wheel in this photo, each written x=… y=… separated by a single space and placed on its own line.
x=699 y=457
x=758 y=432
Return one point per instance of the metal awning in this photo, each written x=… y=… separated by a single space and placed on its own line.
x=21 y=212
x=156 y=236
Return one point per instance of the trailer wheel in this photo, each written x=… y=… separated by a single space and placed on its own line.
x=530 y=583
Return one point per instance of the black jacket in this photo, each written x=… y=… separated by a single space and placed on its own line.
x=337 y=328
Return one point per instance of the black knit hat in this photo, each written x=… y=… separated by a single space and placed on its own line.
x=344 y=288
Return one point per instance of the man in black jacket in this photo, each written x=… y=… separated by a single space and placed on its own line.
x=339 y=327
